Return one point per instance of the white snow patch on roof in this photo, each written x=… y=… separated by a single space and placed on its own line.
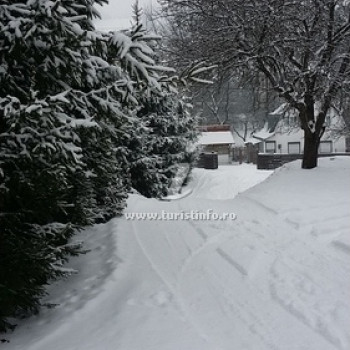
x=252 y=140
x=216 y=138
x=280 y=110
x=260 y=135
x=263 y=134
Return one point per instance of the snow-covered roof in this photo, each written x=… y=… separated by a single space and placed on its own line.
x=280 y=110
x=252 y=140
x=263 y=134
x=260 y=135
x=216 y=138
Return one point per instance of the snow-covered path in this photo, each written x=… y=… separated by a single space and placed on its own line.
x=276 y=277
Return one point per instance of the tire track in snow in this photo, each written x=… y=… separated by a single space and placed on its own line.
x=232 y=262
x=300 y=296
x=241 y=312
x=183 y=309
x=230 y=309
x=207 y=243
x=258 y=264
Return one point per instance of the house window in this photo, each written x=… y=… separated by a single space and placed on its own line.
x=270 y=146
x=293 y=120
x=325 y=147
x=327 y=121
x=261 y=147
x=294 y=147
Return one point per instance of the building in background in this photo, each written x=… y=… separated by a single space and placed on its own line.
x=218 y=139
x=282 y=134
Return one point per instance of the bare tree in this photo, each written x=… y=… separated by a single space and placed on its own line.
x=243 y=105
x=301 y=47
x=137 y=13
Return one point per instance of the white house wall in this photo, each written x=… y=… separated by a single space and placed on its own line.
x=288 y=130
x=339 y=144
x=282 y=140
x=224 y=159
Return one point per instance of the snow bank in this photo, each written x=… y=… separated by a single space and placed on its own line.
x=227 y=181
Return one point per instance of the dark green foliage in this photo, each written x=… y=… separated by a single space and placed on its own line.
x=169 y=131
x=164 y=132
x=58 y=167
x=84 y=116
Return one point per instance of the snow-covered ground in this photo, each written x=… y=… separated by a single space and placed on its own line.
x=275 y=278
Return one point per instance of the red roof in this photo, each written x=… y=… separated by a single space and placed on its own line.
x=214 y=128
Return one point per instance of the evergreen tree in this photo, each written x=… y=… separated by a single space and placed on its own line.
x=59 y=164
x=170 y=131
x=164 y=126
x=84 y=116
x=37 y=150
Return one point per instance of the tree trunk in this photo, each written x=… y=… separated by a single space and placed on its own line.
x=312 y=141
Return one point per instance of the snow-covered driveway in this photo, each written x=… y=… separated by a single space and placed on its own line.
x=276 y=277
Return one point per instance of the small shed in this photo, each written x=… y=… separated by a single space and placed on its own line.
x=219 y=139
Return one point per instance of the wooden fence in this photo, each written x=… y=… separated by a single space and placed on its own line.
x=275 y=160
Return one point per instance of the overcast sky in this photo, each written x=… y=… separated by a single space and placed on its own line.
x=118 y=13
